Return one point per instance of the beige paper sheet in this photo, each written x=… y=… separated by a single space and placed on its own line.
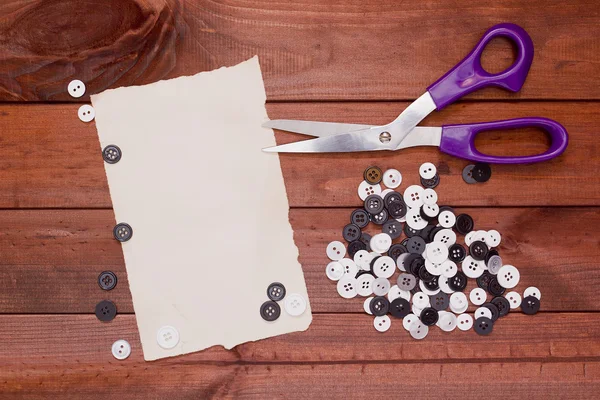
x=208 y=208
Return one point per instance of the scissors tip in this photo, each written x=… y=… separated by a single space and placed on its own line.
x=270 y=150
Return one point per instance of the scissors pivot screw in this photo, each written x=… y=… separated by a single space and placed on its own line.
x=385 y=137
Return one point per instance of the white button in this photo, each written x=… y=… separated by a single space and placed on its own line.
x=86 y=113
x=347 y=286
x=443 y=282
x=334 y=270
x=447 y=322
x=336 y=250
x=413 y=196
x=414 y=219
x=364 y=285
x=363 y=259
x=430 y=196
x=458 y=300
x=382 y=323
x=167 y=337
x=381 y=286
x=349 y=265
x=121 y=349
x=427 y=170
x=483 y=312
x=533 y=291
x=295 y=304
x=472 y=267
x=494 y=264
x=437 y=252
x=367 y=304
x=469 y=238
x=421 y=300
x=514 y=299
x=464 y=322
x=441 y=313
x=426 y=290
x=394 y=293
x=76 y=88
x=493 y=238
x=446 y=236
x=408 y=320
x=431 y=210
x=384 y=192
x=508 y=276
x=416 y=310
x=481 y=236
x=392 y=178
x=459 y=310
x=384 y=267
x=381 y=243
x=478 y=296
x=365 y=189
x=418 y=330
x=447 y=219
x=449 y=269
x=432 y=268
x=400 y=261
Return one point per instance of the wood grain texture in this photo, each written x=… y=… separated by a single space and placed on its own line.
x=53 y=159
x=309 y=50
x=51 y=259
x=63 y=340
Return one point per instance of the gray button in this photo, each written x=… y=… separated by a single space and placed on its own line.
x=107 y=280
x=467 y=174
x=407 y=282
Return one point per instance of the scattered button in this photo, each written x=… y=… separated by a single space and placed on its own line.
x=167 y=337
x=414 y=219
x=493 y=238
x=421 y=300
x=364 y=284
x=427 y=170
x=494 y=264
x=366 y=239
x=495 y=288
x=107 y=280
x=392 y=228
x=467 y=174
x=478 y=296
x=532 y=291
x=270 y=311
x=429 y=212
x=483 y=312
x=447 y=219
x=508 y=276
x=365 y=189
x=121 y=349
x=484 y=280
x=437 y=252
x=384 y=267
x=346 y=287
x=478 y=250
x=106 y=311
x=396 y=250
x=373 y=175
x=472 y=268
x=415 y=245
x=399 y=307
x=363 y=259
x=448 y=321
x=351 y=232
x=381 y=218
x=349 y=266
x=392 y=178
x=483 y=326
x=76 y=88
x=457 y=252
x=336 y=250
x=381 y=286
x=295 y=304
x=413 y=196
x=366 y=305
x=418 y=330
x=446 y=236
x=430 y=196
x=86 y=113
x=360 y=218
x=379 y=306
x=406 y=282
x=429 y=316
x=374 y=204
x=382 y=323
x=464 y=224
x=276 y=291
x=492 y=307
x=334 y=271
x=458 y=282
x=122 y=232
x=397 y=210
x=514 y=299
x=481 y=172
x=381 y=243
x=530 y=305
x=111 y=154
x=356 y=246
x=464 y=322
x=458 y=300
x=502 y=304
x=430 y=183
x=449 y=269
x=408 y=320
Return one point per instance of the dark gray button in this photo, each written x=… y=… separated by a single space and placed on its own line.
x=392 y=228
x=502 y=304
x=410 y=232
x=416 y=245
x=467 y=174
x=379 y=306
x=270 y=311
x=400 y=307
x=122 y=232
x=483 y=326
x=431 y=183
x=111 y=154
x=366 y=239
x=106 y=310
x=107 y=280
x=481 y=172
x=530 y=305
x=276 y=291
x=440 y=301
x=351 y=232
x=381 y=218
x=374 y=204
x=406 y=282
x=360 y=218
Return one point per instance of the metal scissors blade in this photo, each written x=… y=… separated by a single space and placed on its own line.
x=313 y=128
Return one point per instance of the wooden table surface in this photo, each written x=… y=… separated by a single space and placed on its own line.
x=358 y=61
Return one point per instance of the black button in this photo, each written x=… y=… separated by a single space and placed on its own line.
x=374 y=204
x=107 y=280
x=457 y=253
x=458 y=282
x=351 y=232
x=447 y=208
x=393 y=197
x=355 y=246
x=366 y=239
x=430 y=183
x=122 y=232
x=424 y=275
x=381 y=218
x=484 y=280
x=397 y=210
x=478 y=250
x=530 y=305
x=433 y=284
x=481 y=172
x=379 y=306
x=400 y=308
x=464 y=224
x=429 y=316
x=493 y=309
x=360 y=218
x=373 y=262
x=396 y=250
x=433 y=232
x=415 y=245
x=362 y=272
x=111 y=154
x=373 y=175
x=270 y=311
x=407 y=260
x=502 y=304
x=483 y=326
x=492 y=252
x=392 y=228
x=424 y=233
x=495 y=288
x=440 y=301
x=276 y=291
x=410 y=232
x=106 y=310
x=416 y=265
x=406 y=281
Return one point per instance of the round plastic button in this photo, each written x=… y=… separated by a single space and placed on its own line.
x=493 y=238
x=437 y=252
x=86 y=113
x=530 y=305
x=483 y=312
x=467 y=174
x=363 y=259
x=364 y=285
x=430 y=196
x=111 y=154
x=107 y=280
x=167 y=337
x=472 y=268
x=413 y=196
x=514 y=299
x=408 y=320
x=360 y=218
x=76 y=88
x=447 y=219
x=381 y=243
x=334 y=271
x=122 y=232
x=106 y=310
x=446 y=236
x=478 y=296
x=295 y=304
x=270 y=311
x=373 y=175
x=448 y=322
x=508 y=276
x=464 y=322
x=121 y=349
x=483 y=326
x=365 y=189
x=276 y=291
x=392 y=178
x=381 y=286
x=418 y=330
x=347 y=287
x=367 y=305
x=494 y=264
x=427 y=170
x=382 y=323
x=336 y=250
x=533 y=291
x=349 y=265
x=379 y=306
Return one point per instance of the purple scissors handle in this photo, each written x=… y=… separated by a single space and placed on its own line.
x=459 y=140
x=468 y=75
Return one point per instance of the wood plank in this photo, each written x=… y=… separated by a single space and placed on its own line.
x=51 y=259
x=53 y=160
x=309 y=50
x=535 y=380
x=63 y=340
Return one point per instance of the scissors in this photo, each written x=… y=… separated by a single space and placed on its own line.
x=457 y=140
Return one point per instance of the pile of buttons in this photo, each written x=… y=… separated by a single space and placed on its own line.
x=428 y=260
x=294 y=304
